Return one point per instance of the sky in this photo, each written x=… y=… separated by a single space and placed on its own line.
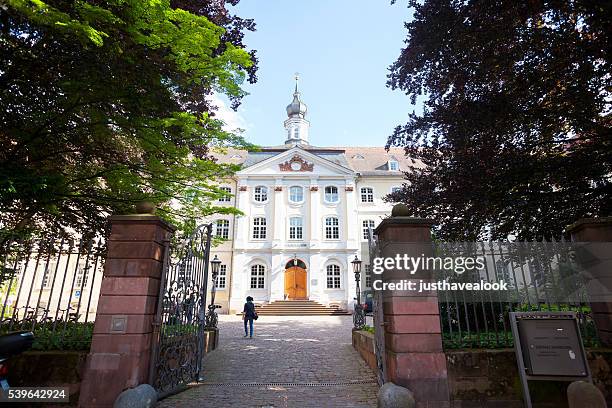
x=342 y=50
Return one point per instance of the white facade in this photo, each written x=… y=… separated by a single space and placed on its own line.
x=304 y=202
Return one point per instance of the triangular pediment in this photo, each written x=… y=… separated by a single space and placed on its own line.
x=295 y=161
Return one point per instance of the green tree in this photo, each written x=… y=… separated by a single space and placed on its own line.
x=103 y=104
x=516 y=128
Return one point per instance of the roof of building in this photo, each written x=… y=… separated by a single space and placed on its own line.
x=368 y=161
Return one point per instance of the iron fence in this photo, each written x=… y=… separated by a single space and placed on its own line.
x=51 y=286
x=540 y=276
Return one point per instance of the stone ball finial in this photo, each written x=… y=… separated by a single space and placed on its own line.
x=145 y=207
x=582 y=394
x=400 y=210
x=394 y=396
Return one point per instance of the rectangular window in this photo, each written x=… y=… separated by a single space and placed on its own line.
x=331 y=194
x=259 y=228
x=260 y=194
x=333 y=277
x=367 y=195
x=222 y=277
x=367 y=224
x=296 y=194
x=258 y=277
x=222 y=229
x=49 y=274
x=332 y=230
x=81 y=280
x=368 y=276
x=227 y=197
x=296 y=228
x=393 y=165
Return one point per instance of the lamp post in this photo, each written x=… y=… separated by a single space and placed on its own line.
x=211 y=316
x=357 y=270
x=358 y=315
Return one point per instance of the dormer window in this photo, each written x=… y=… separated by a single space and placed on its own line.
x=358 y=157
x=393 y=165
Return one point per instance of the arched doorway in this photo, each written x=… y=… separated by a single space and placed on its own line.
x=296 y=280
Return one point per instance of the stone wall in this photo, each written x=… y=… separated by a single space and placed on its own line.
x=492 y=376
x=363 y=342
x=49 y=369
x=489 y=378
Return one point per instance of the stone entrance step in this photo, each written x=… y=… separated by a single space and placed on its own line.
x=299 y=308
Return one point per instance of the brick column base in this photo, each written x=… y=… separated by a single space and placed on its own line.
x=121 y=346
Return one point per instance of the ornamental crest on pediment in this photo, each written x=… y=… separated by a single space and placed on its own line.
x=296 y=164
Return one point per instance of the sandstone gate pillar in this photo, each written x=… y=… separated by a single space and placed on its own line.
x=121 y=346
x=598 y=267
x=413 y=339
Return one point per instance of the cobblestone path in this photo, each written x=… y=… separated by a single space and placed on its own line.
x=305 y=351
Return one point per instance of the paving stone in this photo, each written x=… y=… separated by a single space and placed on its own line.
x=285 y=349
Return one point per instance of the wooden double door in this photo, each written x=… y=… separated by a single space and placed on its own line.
x=295 y=283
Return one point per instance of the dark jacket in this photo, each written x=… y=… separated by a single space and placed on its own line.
x=249 y=310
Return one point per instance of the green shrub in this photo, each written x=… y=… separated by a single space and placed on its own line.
x=73 y=336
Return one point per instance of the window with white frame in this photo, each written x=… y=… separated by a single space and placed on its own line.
x=296 y=228
x=393 y=165
x=367 y=195
x=221 y=277
x=331 y=194
x=395 y=189
x=296 y=194
x=368 y=276
x=259 y=228
x=258 y=277
x=333 y=276
x=260 y=194
x=332 y=229
x=222 y=229
x=49 y=275
x=367 y=224
x=82 y=275
x=226 y=198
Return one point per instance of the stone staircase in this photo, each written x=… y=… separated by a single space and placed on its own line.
x=299 y=308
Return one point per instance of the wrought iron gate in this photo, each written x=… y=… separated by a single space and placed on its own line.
x=379 y=323
x=180 y=318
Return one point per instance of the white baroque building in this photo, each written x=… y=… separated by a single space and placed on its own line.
x=306 y=210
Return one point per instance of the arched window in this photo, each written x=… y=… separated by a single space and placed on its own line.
x=367 y=195
x=296 y=194
x=258 y=276
x=331 y=194
x=260 y=194
x=333 y=276
x=259 y=228
x=296 y=228
x=332 y=229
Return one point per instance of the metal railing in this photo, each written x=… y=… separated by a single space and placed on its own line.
x=50 y=285
x=540 y=276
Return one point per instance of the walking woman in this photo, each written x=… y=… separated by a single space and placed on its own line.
x=248 y=315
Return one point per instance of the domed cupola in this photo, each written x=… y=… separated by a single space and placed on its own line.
x=296 y=108
x=296 y=124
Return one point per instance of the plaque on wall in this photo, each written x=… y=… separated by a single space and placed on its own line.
x=548 y=347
